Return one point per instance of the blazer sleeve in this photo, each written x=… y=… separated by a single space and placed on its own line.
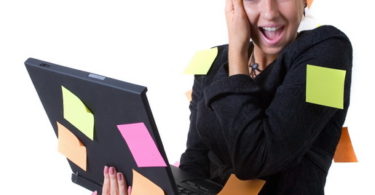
x=264 y=141
x=195 y=158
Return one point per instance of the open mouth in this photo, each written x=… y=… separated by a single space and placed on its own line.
x=272 y=35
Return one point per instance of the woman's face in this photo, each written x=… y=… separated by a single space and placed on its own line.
x=274 y=23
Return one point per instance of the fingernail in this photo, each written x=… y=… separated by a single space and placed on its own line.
x=105 y=171
x=111 y=170
x=129 y=189
x=94 y=193
x=119 y=176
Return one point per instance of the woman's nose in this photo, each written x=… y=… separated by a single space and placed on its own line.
x=269 y=9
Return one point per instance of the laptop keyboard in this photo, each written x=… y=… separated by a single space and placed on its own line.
x=188 y=188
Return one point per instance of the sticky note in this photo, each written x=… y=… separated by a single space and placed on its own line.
x=70 y=146
x=325 y=86
x=309 y=3
x=344 y=150
x=76 y=112
x=202 y=61
x=242 y=187
x=189 y=95
x=143 y=186
x=141 y=145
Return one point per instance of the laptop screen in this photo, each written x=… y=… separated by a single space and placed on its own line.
x=101 y=121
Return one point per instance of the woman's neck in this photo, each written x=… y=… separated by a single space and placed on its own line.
x=261 y=58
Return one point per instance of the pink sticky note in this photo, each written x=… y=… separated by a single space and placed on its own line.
x=141 y=145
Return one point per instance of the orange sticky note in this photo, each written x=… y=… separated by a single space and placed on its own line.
x=189 y=95
x=309 y=3
x=344 y=150
x=242 y=187
x=70 y=146
x=143 y=186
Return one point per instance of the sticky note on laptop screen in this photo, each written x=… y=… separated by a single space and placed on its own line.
x=141 y=145
x=325 y=86
x=143 y=186
x=202 y=61
x=71 y=147
x=76 y=112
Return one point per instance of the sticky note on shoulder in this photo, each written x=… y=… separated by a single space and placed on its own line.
x=141 y=145
x=76 y=112
x=325 y=86
x=242 y=187
x=143 y=186
x=71 y=147
x=202 y=61
x=344 y=150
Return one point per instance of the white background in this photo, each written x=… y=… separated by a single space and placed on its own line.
x=149 y=43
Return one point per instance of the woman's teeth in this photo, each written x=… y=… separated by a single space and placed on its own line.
x=272 y=29
x=271 y=33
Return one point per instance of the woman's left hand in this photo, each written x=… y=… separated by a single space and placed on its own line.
x=114 y=183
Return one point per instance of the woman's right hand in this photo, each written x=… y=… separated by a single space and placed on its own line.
x=239 y=33
x=114 y=183
x=238 y=25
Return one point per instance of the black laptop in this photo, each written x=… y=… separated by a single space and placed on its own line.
x=110 y=103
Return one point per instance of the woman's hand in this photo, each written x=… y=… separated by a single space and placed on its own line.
x=239 y=36
x=114 y=183
x=237 y=23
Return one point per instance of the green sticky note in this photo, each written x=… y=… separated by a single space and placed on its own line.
x=76 y=112
x=202 y=61
x=325 y=86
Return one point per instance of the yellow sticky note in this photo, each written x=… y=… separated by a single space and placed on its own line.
x=325 y=86
x=76 y=112
x=143 y=186
x=344 y=150
x=202 y=61
x=242 y=187
x=70 y=146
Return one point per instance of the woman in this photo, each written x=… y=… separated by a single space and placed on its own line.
x=249 y=115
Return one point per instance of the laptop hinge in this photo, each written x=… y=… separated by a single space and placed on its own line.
x=88 y=184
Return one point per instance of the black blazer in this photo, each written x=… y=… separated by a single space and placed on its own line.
x=263 y=127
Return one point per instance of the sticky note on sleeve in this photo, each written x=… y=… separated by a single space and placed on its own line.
x=242 y=187
x=71 y=147
x=309 y=3
x=141 y=145
x=202 y=62
x=325 y=86
x=76 y=112
x=344 y=150
x=189 y=95
x=143 y=186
